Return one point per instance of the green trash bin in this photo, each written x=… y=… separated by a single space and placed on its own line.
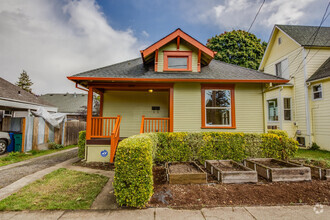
x=18 y=142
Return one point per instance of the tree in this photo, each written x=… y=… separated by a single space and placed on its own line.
x=24 y=82
x=238 y=47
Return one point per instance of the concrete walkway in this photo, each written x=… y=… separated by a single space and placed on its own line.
x=271 y=212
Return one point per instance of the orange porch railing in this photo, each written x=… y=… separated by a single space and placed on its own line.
x=155 y=125
x=115 y=138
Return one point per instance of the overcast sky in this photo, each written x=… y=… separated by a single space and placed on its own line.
x=54 y=39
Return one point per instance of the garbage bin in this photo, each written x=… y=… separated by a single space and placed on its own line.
x=10 y=147
x=18 y=142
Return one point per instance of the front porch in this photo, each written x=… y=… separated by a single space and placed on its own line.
x=140 y=108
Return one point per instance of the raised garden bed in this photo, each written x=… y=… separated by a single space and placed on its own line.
x=278 y=170
x=318 y=169
x=185 y=173
x=228 y=171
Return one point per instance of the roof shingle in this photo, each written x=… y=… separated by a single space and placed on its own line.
x=322 y=72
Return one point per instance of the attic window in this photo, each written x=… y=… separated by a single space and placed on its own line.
x=177 y=61
x=279 y=40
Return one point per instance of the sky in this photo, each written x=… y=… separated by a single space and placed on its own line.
x=51 y=40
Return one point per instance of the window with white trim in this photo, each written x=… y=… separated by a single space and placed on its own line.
x=282 y=69
x=272 y=110
x=287 y=109
x=317 y=91
x=218 y=107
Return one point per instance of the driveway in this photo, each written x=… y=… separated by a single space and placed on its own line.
x=13 y=174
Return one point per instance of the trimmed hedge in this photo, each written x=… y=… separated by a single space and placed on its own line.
x=81 y=144
x=133 y=181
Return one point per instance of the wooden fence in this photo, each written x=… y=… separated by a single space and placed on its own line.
x=71 y=131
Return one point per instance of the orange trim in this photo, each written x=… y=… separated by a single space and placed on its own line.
x=23 y=134
x=177 y=33
x=156 y=60
x=199 y=61
x=73 y=78
x=86 y=90
x=231 y=87
x=181 y=54
x=171 y=109
x=178 y=43
x=89 y=113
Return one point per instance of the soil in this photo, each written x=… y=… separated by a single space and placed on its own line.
x=11 y=175
x=227 y=166
x=197 y=196
x=274 y=164
x=95 y=165
x=183 y=168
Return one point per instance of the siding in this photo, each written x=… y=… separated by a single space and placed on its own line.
x=321 y=116
x=248 y=103
x=183 y=47
x=280 y=51
x=131 y=105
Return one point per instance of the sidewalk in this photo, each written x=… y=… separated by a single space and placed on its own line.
x=270 y=212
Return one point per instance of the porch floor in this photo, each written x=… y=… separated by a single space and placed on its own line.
x=101 y=141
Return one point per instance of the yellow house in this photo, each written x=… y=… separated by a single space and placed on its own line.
x=301 y=106
x=175 y=86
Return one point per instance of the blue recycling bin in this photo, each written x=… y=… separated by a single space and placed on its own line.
x=10 y=147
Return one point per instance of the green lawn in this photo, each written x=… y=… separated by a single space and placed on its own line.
x=313 y=154
x=61 y=189
x=15 y=157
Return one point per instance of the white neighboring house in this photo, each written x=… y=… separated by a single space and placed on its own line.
x=301 y=107
x=16 y=104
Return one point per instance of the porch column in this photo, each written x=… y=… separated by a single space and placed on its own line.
x=89 y=113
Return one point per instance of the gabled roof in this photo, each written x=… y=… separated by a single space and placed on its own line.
x=304 y=35
x=15 y=93
x=322 y=72
x=178 y=33
x=66 y=103
x=216 y=71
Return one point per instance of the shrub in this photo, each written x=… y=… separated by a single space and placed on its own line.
x=133 y=182
x=280 y=133
x=315 y=146
x=54 y=146
x=81 y=144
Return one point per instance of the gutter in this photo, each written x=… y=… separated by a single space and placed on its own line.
x=13 y=103
x=307 y=112
x=316 y=80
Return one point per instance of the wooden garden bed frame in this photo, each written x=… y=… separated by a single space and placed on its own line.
x=290 y=171
x=316 y=172
x=245 y=175
x=185 y=178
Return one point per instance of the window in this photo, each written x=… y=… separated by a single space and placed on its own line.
x=177 y=61
x=287 y=109
x=218 y=108
x=272 y=110
x=279 y=40
x=282 y=69
x=317 y=92
x=301 y=141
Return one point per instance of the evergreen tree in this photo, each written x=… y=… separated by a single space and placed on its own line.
x=238 y=47
x=24 y=81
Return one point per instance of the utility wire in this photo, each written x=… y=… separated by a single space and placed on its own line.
x=256 y=16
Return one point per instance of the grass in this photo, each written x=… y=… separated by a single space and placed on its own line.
x=15 y=157
x=315 y=157
x=313 y=154
x=61 y=189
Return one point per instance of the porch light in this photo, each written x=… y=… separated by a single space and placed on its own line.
x=150 y=90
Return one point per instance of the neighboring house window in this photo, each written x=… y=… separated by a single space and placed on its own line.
x=279 y=40
x=317 y=91
x=282 y=69
x=287 y=109
x=218 y=106
x=272 y=110
x=177 y=61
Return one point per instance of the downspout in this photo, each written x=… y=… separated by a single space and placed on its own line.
x=308 y=128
